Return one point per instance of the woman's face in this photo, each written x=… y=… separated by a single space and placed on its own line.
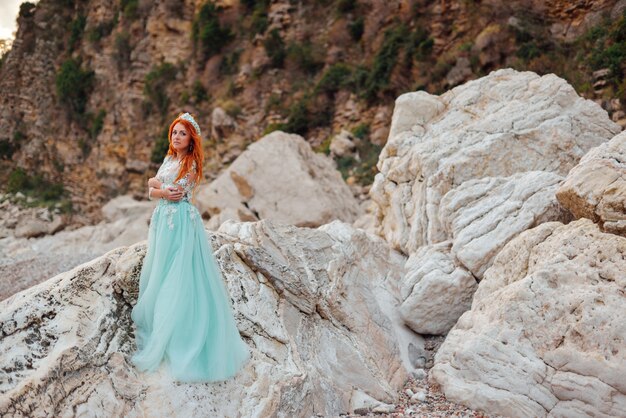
x=180 y=138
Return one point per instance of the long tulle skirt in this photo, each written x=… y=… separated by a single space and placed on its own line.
x=184 y=314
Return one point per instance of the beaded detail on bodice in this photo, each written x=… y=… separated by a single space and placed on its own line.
x=169 y=171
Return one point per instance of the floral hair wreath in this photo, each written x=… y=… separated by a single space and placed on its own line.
x=191 y=120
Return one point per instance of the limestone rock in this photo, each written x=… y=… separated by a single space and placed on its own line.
x=31 y=228
x=596 y=187
x=495 y=126
x=545 y=335
x=26 y=262
x=125 y=206
x=435 y=290
x=342 y=144
x=482 y=215
x=315 y=305
x=279 y=177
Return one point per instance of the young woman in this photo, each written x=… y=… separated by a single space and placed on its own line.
x=184 y=314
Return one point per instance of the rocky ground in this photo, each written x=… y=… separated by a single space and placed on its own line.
x=421 y=396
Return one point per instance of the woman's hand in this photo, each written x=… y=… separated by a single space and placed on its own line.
x=173 y=194
x=153 y=182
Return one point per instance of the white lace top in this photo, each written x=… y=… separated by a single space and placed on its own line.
x=169 y=171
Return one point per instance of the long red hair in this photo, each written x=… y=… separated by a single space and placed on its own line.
x=196 y=154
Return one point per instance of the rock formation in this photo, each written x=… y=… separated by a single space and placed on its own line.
x=499 y=125
x=279 y=177
x=545 y=335
x=25 y=262
x=596 y=187
x=465 y=172
x=315 y=305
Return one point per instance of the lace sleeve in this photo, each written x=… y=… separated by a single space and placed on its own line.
x=188 y=181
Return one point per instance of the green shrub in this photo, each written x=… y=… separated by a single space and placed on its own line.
x=356 y=28
x=74 y=85
x=528 y=51
x=364 y=169
x=27 y=9
x=76 y=31
x=303 y=116
x=324 y=147
x=18 y=180
x=161 y=145
x=18 y=137
x=258 y=20
x=384 y=62
x=43 y=191
x=230 y=63
x=346 y=6
x=130 y=9
x=336 y=77
x=207 y=31
x=420 y=45
x=102 y=30
x=199 y=92
x=97 y=123
x=7 y=149
x=156 y=83
x=304 y=56
x=609 y=50
x=123 y=50
x=275 y=48
x=361 y=131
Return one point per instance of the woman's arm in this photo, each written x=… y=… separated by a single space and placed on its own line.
x=153 y=182
x=172 y=194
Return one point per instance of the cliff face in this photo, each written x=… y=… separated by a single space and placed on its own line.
x=89 y=85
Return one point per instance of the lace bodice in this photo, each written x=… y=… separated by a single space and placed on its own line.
x=169 y=171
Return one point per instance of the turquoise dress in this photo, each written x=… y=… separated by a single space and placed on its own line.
x=184 y=315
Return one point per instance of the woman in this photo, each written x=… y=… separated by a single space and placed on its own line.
x=183 y=314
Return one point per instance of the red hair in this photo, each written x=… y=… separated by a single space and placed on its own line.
x=195 y=155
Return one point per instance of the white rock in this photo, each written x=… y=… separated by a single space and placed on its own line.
x=596 y=187
x=482 y=215
x=279 y=177
x=318 y=326
x=419 y=374
x=125 y=206
x=25 y=262
x=495 y=126
x=342 y=144
x=435 y=290
x=545 y=335
x=384 y=408
x=419 y=397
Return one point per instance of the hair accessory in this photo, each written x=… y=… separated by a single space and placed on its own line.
x=190 y=119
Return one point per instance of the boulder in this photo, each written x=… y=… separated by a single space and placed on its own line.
x=342 y=144
x=435 y=290
x=125 y=206
x=596 y=187
x=316 y=306
x=482 y=215
x=495 y=126
x=279 y=177
x=545 y=334
x=25 y=262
